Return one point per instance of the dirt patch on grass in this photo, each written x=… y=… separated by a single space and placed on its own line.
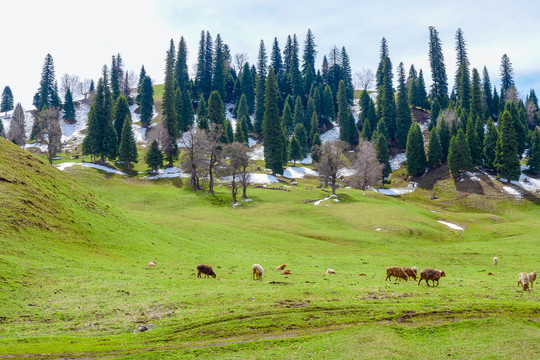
x=293 y=303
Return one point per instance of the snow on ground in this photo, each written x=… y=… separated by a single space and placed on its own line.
x=229 y=116
x=332 y=134
x=411 y=187
x=41 y=147
x=306 y=161
x=451 y=226
x=72 y=132
x=397 y=161
x=257 y=152
x=171 y=172
x=345 y=172
x=299 y=172
x=515 y=193
x=63 y=166
x=252 y=142
x=472 y=176
x=256 y=179
x=326 y=198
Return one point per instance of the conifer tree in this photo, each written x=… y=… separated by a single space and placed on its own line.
x=288 y=122
x=119 y=112
x=239 y=133
x=248 y=88
x=298 y=115
x=308 y=58
x=383 y=153
x=421 y=94
x=69 y=108
x=534 y=156
x=382 y=129
x=243 y=111
x=475 y=145
x=127 y=151
x=411 y=77
x=444 y=139
x=272 y=132
x=314 y=128
x=476 y=96
x=170 y=117
x=295 y=77
x=347 y=75
x=315 y=148
x=519 y=125
x=202 y=114
x=507 y=158
x=7 y=100
x=416 y=157
x=47 y=84
x=388 y=104
x=459 y=155
x=347 y=129
x=142 y=76
x=301 y=134
x=2 y=133
x=507 y=75
x=327 y=106
x=439 y=88
x=116 y=76
x=462 y=82
x=154 y=157
x=403 y=112
x=487 y=95
x=489 y=150
x=366 y=130
x=380 y=69
x=178 y=107
x=181 y=73
x=295 y=151
x=277 y=64
x=187 y=114
x=308 y=114
x=495 y=103
x=465 y=88
x=228 y=136
x=219 y=69
x=363 y=101
x=216 y=110
x=434 y=113
x=479 y=124
x=260 y=89
x=146 y=101
x=245 y=128
x=435 y=155
x=372 y=115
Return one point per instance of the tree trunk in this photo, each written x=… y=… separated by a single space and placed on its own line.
x=333 y=186
x=211 y=181
x=244 y=189
x=233 y=185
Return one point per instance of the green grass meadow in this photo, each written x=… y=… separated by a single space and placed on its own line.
x=75 y=281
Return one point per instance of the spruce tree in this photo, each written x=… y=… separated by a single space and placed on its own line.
x=219 y=69
x=288 y=122
x=127 y=151
x=476 y=96
x=272 y=131
x=366 y=130
x=383 y=153
x=444 y=139
x=298 y=115
x=295 y=151
x=507 y=75
x=315 y=148
x=465 y=88
x=216 y=110
x=178 y=107
x=439 y=88
x=403 y=112
x=435 y=155
x=170 y=117
x=243 y=111
x=239 y=133
x=260 y=89
x=228 y=136
x=487 y=95
x=181 y=73
x=314 y=128
x=248 y=87
x=534 y=155
x=382 y=129
x=434 y=113
x=119 y=113
x=301 y=134
x=146 y=101
x=308 y=58
x=388 y=103
x=421 y=94
x=47 y=84
x=295 y=77
x=7 y=100
x=154 y=157
x=372 y=115
x=308 y=114
x=475 y=145
x=327 y=107
x=489 y=150
x=347 y=75
x=245 y=128
x=187 y=114
x=347 y=130
x=277 y=64
x=363 y=101
x=459 y=155
x=519 y=124
x=507 y=158
x=142 y=76
x=416 y=157
x=202 y=114
x=69 y=108
x=380 y=69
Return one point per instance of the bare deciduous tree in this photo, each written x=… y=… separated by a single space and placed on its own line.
x=194 y=160
x=71 y=82
x=215 y=152
x=532 y=113
x=84 y=88
x=367 y=169
x=238 y=155
x=512 y=95
x=364 y=79
x=332 y=159
x=50 y=131
x=239 y=60
x=17 y=132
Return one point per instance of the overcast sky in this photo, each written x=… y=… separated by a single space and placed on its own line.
x=83 y=35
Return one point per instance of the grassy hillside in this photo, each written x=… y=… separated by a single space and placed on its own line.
x=79 y=284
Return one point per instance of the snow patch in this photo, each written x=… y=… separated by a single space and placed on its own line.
x=378 y=229
x=397 y=161
x=330 y=135
x=411 y=187
x=63 y=166
x=299 y=172
x=251 y=142
x=255 y=179
x=257 y=153
x=307 y=161
x=345 y=172
x=451 y=226
x=326 y=198
x=171 y=172
x=515 y=193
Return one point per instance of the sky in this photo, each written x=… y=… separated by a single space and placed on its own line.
x=82 y=36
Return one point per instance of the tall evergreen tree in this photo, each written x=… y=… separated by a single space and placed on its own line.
x=388 y=103
x=487 y=95
x=181 y=73
x=69 y=108
x=295 y=151
x=489 y=150
x=519 y=124
x=473 y=140
x=416 y=157
x=308 y=114
x=239 y=133
x=7 y=100
x=434 y=113
x=178 y=107
x=459 y=155
x=142 y=76
x=216 y=110
x=272 y=132
x=288 y=122
x=243 y=111
x=187 y=114
x=119 y=112
x=47 y=89
x=127 y=151
x=347 y=75
x=146 y=101
x=462 y=64
x=476 y=96
x=260 y=89
x=411 y=77
x=347 y=129
x=301 y=134
x=380 y=69
x=298 y=114
x=507 y=75
x=154 y=157
x=248 y=87
x=314 y=128
x=202 y=114
x=444 y=138
x=219 y=69
x=295 y=77
x=170 y=117
x=439 y=88
x=507 y=158
x=228 y=136
x=403 y=112
x=383 y=153
x=116 y=76
x=327 y=106
x=372 y=115
x=465 y=88
x=308 y=58
x=534 y=156
x=434 y=155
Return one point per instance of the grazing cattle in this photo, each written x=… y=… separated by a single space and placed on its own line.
x=258 y=271
x=431 y=274
x=206 y=270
